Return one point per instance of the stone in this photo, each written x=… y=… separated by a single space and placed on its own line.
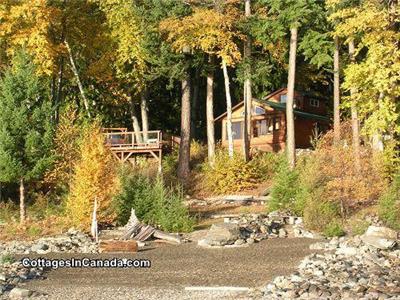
x=240 y=242
x=3 y=277
x=222 y=234
x=250 y=241
x=19 y=293
x=378 y=242
x=282 y=233
x=347 y=251
x=381 y=231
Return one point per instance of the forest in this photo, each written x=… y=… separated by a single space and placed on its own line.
x=70 y=69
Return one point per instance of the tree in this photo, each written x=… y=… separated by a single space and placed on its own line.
x=292 y=15
x=210 y=31
x=247 y=95
x=373 y=72
x=336 y=92
x=25 y=126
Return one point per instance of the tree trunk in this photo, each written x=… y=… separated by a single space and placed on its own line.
x=210 y=116
x=184 y=147
x=228 y=109
x=135 y=122
x=336 y=92
x=247 y=91
x=194 y=105
x=354 y=116
x=22 y=208
x=76 y=74
x=290 y=130
x=144 y=112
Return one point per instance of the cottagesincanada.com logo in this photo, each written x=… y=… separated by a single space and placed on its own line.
x=85 y=262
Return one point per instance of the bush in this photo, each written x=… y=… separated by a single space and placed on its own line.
x=235 y=174
x=319 y=213
x=154 y=204
x=389 y=205
x=334 y=228
x=95 y=177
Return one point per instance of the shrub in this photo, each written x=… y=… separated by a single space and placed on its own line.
x=235 y=174
x=66 y=151
x=284 y=190
x=153 y=203
x=95 y=177
x=319 y=213
x=334 y=228
x=389 y=205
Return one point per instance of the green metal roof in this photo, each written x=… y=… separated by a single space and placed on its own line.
x=282 y=106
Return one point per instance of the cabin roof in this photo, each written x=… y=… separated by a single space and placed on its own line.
x=307 y=115
x=278 y=106
x=241 y=103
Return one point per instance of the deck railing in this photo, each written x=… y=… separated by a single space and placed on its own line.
x=132 y=140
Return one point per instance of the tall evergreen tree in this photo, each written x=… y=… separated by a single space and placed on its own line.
x=25 y=126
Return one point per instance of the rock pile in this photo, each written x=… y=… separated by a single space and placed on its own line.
x=71 y=242
x=251 y=228
x=354 y=268
x=14 y=273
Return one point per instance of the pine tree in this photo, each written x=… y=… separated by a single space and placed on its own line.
x=26 y=130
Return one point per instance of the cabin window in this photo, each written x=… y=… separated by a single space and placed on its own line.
x=236 y=130
x=265 y=126
x=314 y=102
x=283 y=98
x=257 y=111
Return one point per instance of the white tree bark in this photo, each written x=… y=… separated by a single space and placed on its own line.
x=145 y=117
x=210 y=117
x=290 y=130
x=228 y=109
x=135 y=121
x=76 y=74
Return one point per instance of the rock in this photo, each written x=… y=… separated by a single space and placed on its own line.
x=282 y=233
x=240 y=242
x=348 y=251
x=378 y=242
x=222 y=234
x=380 y=231
x=3 y=277
x=250 y=241
x=19 y=293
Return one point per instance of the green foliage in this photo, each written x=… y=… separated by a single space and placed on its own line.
x=154 y=203
x=234 y=174
x=26 y=129
x=389 y=205
x=358 y=227
x=334 y=228
x=7 y=259
x=318 y=214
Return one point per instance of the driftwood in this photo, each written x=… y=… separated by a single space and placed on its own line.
x=167 y=236
x=114 y=246
x=140 y=232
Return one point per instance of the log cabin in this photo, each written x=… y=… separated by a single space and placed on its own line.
x=268 y=121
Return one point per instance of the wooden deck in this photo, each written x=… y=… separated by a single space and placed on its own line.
x=125 y=145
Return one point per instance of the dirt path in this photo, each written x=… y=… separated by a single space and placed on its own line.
x=176 y=267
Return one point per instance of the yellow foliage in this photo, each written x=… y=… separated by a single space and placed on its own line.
x=66 y=149
x=207 y=30
x=26 y=23
x=95 y=177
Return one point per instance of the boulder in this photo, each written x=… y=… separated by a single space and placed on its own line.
x=221 y=234
x=378 y=242
x=380 y=237
x=18 y=293
x=380 y=231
